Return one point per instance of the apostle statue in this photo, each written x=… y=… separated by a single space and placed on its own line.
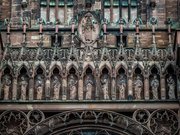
x=154 y=86
x=122 y=87
x=23 y=86
x=56 y=87
x=138 y=86
x=7 y=84
x=72 y=87
x=88 y=87
x=39 y=87
x=171 y=87
x=105 y=87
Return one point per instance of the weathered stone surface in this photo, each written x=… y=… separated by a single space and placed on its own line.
x=78 y=66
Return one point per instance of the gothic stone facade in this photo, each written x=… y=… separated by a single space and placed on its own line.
x=89 y=67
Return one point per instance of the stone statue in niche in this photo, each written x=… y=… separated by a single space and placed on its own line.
x=154 y=86
x=138 y=86
x=89 y=87
x=171 y=87
x=39 y=87
x=7 y=84
x=121 y=86
x=72 y=87
x=105 y=86
x=23 y=86
x=56 y=87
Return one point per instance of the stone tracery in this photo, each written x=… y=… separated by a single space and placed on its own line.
x=91 y=62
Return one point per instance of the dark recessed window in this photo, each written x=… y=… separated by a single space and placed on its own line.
x=124 y=40
x=112 y=10
x=53 y=39
x=51 y=10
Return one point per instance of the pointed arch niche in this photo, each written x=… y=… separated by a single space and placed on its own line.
x=138 y=86
x=72 y=93
x=39 y=84
x=105 y=79
x=56 y=84
x=89 y=85
x=171 y=84
x=121 y=84
x=23 y=79
x=7 y=83
x=154 y=83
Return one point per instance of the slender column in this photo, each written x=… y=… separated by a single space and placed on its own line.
x=48 y=11
x=153 y=34
x=111 y=11
x=130 y=88
x=146 y=87
x=80 y=82
x=1 y=85
x=56 y=12
x=56 y=31
x=31 y=82
x=179 y=118
x=97 y=77
x=80 y=88
x=64 y=83
x=178 y=87
x=8 y=32
x=120 y=9
x=163 y=88
x=14 y=90
x=41 y=31
x=24 y=33
x=65 y=11
x=169 y=32
x=121 y=31
x=72 y=31
x=47 y=88
x=113 y=84
x=31 y=88
x=64 y=88
x=113 y=88
x=139 y=3
x=147 y=12
x=129 y=11
x=102 y=7
x=105 y=31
